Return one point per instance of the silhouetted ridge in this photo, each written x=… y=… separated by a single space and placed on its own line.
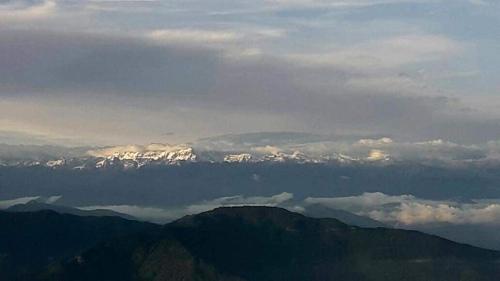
x=32 y=240
x=248 y=214
x=34 y=206
x=265 y=243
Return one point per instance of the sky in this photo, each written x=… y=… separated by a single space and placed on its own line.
x=114 y=72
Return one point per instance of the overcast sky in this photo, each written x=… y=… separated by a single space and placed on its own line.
x=114 y=72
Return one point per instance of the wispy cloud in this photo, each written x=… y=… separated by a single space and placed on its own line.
x=479 y=2
x=195 y=36
x=4 y=204
x=26 y=10
x=386 y=53
x=336 y=3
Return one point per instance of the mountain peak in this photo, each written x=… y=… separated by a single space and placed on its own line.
x=254 y=215
x=140 y=155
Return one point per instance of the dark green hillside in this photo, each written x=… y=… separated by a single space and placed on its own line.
x=32 y=240
x=260 y=243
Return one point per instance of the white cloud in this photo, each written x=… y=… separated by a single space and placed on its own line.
x=410 y=210
x=372 y=149
x=364 y=202
x=336 y=3
x=377 y=155
x=389 y=84
x=162 y=215
x=53 y=199
x=4 y=204
x=194 y=36
x=135 y=149
x=479 y=2
x=373 y=142
x=242 y=35
x=268 y=149
x=382 y=148
x=240 y=201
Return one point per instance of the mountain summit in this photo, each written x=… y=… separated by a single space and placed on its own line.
x=265 y=243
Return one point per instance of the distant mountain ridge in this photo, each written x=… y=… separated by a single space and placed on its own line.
x=35 y=206
x=275 y=147
x=134 y=157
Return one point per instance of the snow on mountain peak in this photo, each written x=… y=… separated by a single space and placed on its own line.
x=141 y=155
x=377 y=155
x=238 y=158
x=55 y=163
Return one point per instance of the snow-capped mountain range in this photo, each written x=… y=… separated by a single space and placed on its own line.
x=136 y=156
x=249 y=148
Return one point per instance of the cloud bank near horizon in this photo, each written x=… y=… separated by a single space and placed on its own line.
x=398 y=210
x=408 y=210
x=401 y=210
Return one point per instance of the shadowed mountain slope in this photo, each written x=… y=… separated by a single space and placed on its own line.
x=30 y=241
x=263 y=243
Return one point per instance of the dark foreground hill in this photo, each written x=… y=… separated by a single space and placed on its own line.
x=261 y=243
x=30 y=241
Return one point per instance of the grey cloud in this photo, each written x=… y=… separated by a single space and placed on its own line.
x=19 y=153
x=15 y=137
x=91 y=68
x=48 y=62
x=462 y=129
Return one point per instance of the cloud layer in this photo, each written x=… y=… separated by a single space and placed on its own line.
x=408 y=210
x=351 y=146
x=400 y=210
x=168 y=214
x=4 y=204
